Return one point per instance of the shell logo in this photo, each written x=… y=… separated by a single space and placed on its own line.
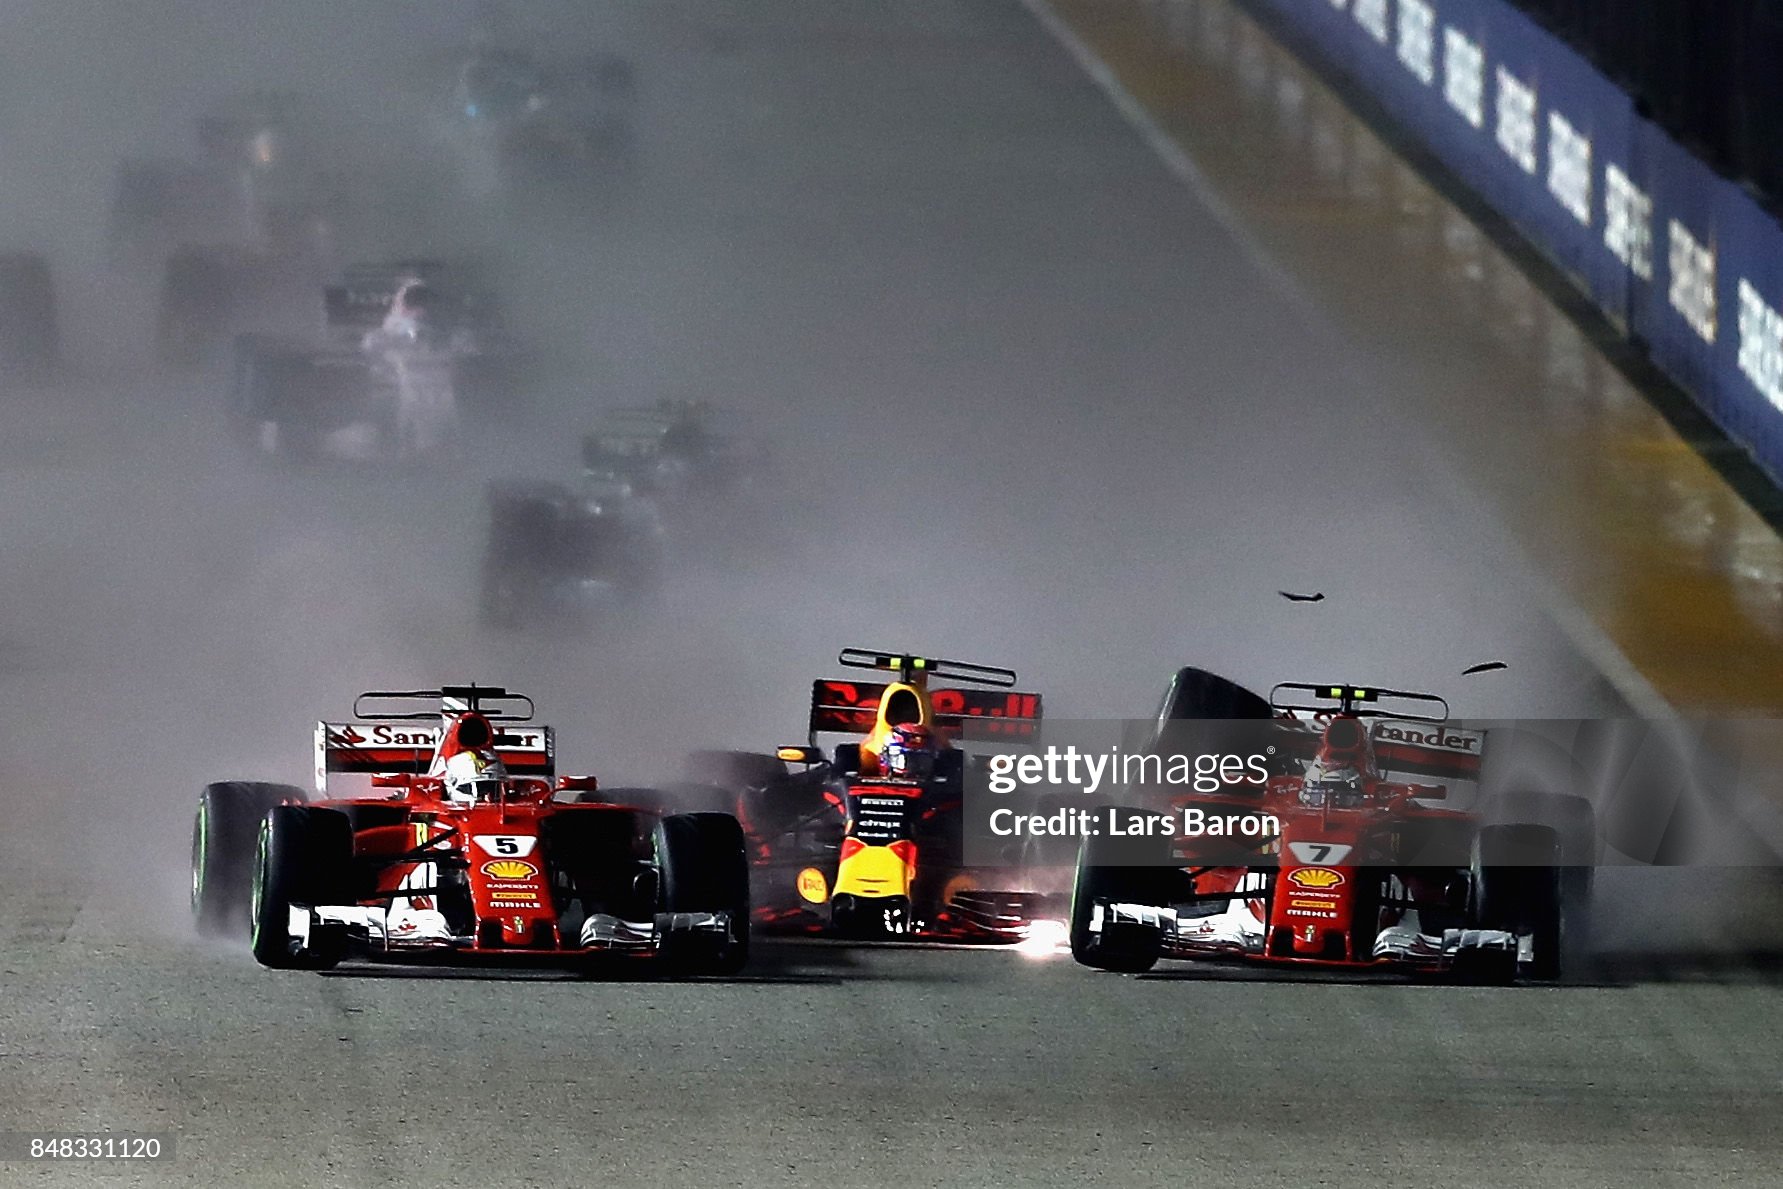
x=1315 y=877
x=509 y=869
x=813 y=887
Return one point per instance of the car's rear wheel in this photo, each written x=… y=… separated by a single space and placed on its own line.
x=735 y=769
x=224 y=833
x=705 y=868
x=304 y=858
x=594 y=859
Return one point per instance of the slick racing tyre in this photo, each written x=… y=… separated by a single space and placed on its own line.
x=1517 y=888
x=757 y=787
x=1203 y=713
x=1198 y=694
x=1118 y=870
x=304 y=858
x=1575 y=821
x=705 y=868
x=593 y=855
x=224 y=833
x=735 y=769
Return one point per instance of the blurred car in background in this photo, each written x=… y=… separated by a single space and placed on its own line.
x=407 y=348
x=240 y=235
x=557 y=551
x=515 y=119
x=678 y=452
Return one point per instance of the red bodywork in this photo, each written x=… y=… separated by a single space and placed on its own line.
x=401 y=842
x=1312 y=877
x=516 y=895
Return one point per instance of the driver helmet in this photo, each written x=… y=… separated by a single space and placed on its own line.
x=910 y=752
x=406 y=316
x=1332 y=785
x=473 y=776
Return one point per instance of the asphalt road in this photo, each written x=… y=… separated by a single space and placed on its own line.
x=827 y=1065
x=1031 y=405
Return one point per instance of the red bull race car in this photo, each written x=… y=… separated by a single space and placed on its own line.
x=865 y=841
x=1330 y=841
x=460 y=849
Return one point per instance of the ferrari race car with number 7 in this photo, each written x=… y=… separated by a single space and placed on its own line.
x=1363 y=866
x=467 y=855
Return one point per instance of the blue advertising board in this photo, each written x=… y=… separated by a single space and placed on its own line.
x=1684 y=261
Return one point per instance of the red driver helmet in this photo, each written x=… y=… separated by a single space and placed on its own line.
x=1337 y=778
x=909 y=752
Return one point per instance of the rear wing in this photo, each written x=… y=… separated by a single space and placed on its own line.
x=852 y=708
x=640 y=431
x=1361 y=701
x=359 y=301
x=399 y=748
x=910 y=668
x=621 y=443
x=491 y=701
x=357 y=306
x=1406 y=751
x=1410 y=749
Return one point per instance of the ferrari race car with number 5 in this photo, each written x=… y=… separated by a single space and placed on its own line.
x=467 y=855
x=1361 y=864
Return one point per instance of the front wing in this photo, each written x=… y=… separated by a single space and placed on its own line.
x=1233 y=931
x=399 y=932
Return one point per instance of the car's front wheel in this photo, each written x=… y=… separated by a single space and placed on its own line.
x=303 y=859
x=705 y=868
x=1517 y=889
x=1115 y=870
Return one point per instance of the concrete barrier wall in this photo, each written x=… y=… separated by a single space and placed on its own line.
x=1684 y=261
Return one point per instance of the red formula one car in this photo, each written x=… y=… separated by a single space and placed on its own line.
x=1329 y=843
x=467 y=853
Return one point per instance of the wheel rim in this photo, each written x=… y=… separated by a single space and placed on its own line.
x=200 y=851
x=256 y=897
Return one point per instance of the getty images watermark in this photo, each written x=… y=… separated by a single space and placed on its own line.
x=1664 y=792
x=1071 y=770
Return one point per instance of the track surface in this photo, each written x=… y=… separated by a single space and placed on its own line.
x=918 y=245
